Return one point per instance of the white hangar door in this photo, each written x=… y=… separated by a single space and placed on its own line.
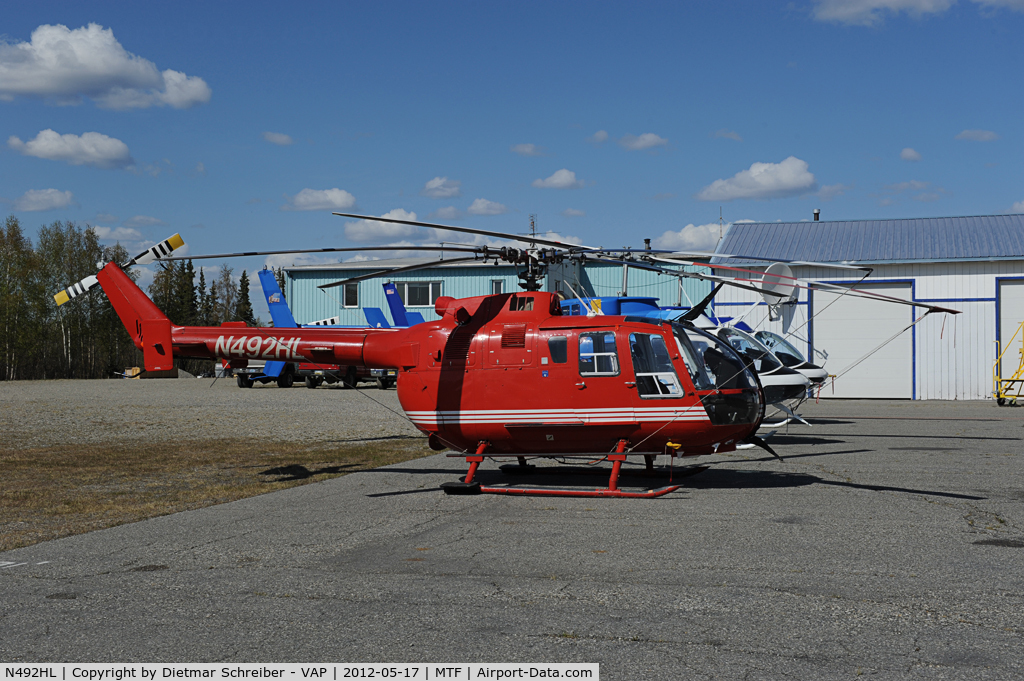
x=849 y=328
x=1011 y=314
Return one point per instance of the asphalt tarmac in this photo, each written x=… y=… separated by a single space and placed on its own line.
x=889 y=544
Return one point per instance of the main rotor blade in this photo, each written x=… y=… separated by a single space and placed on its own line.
x=457 y=249
x=396 y=270
x=695 y=263
x=811 y=286
x=838 y=266
x=677 y=273
x=471 y=230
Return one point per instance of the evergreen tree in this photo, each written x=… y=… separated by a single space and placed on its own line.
x=185 y=301
x=227 y=296
x=161 y=291
x=243 y=309
x=203 y=300
x=279 y=275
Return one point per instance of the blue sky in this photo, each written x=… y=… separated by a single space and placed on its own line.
x=242 y=125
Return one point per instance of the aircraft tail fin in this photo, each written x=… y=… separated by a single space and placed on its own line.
x=279 y=311
x=396 y=305
x=149 y=328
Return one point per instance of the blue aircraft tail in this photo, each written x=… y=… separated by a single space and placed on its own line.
x=395 y=303
x=279 y=312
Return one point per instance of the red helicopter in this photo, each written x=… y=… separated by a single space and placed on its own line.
x=503 y=375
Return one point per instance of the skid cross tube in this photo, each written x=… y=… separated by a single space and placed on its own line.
x=612 y=490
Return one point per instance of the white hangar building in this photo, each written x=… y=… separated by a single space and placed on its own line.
x=971 y=264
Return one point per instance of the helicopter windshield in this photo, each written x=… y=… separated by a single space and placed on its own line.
x=713 y=364
x=751 y=349
x=782 y=348
x=716 y=368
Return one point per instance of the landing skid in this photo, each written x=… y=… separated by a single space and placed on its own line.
x=790 y=416
x=469 y=486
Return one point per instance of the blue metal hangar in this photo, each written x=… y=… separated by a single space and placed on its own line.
x=419 y=289
x=971 y=264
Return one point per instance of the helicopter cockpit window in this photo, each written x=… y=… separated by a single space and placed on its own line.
x=598 y=356
x=521 y=303
x=723 y=368
x=752 y=350
x=559 y=349
x=655 y=376
x=782 y=348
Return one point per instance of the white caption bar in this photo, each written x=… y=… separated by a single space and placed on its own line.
x=318 y=671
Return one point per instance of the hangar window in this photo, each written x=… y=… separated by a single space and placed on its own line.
x=352 y=295
x=418 y=293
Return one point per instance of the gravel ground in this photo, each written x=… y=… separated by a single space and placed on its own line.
x=47 y=413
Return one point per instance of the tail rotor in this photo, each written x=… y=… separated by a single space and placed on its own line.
x=161 y=250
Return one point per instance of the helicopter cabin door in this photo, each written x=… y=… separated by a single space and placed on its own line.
x=656 y=377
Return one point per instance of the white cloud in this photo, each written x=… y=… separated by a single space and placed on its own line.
x=728 y=134
x=442 y=188
x=978 y=136
x=564 y=238
x=63 y=66
x=573 y=213
x=690 y=238
x=92 y=149
x=485 y=207
x=43 y=199
x=143 y=221
x=648 y=140
x=371 y=230
x=598 y=137
x=446 y=213
x=278 y=138
x=117 y=234
x=106 y=217
x=200 y=169
x=870 y=12
x=320 y=199
x=528 y=150
x=1018 y=207
x=561 y=179
x=763 y=181
x=909 y=154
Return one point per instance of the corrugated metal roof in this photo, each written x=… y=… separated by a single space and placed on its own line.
x=983 y=237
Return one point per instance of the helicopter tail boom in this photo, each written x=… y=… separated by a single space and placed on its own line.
x=160 y=340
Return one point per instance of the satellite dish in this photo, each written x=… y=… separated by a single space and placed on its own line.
x=778 y=284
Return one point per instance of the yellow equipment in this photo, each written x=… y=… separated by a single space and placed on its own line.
x=1009 y=389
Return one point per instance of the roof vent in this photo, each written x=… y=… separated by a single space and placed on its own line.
x=817 y=212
